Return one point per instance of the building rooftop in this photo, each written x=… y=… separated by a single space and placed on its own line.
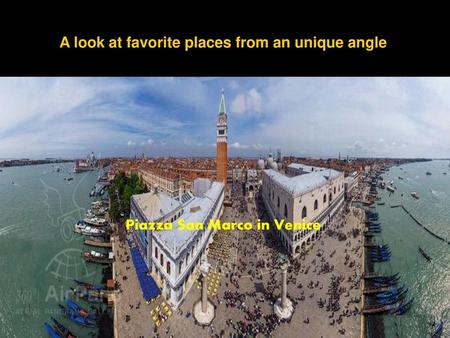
x=195 y=209
x=301 y=184
x=154 y=206
x=305 y=168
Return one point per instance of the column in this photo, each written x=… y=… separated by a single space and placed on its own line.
x=283 y=286
x=204 y=292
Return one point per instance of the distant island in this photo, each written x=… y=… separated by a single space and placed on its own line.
x=26 y=161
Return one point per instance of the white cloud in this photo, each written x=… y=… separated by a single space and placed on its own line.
x=131 y=143
x=150 y=141
x=237 y=145
x=251 y=101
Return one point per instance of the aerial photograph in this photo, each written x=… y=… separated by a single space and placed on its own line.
x=225 y=207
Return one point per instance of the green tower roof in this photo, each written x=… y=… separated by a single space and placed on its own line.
x=222 y=109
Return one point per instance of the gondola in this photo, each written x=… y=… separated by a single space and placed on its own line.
x=388 y=294
x=402 y=308
x=393 y=299
x=51 y=331
x=62 y=330
x=385 y=282
x=380 y=254
x=79 y=310
x=72 y=316
x=424 y=254
x=437 y=333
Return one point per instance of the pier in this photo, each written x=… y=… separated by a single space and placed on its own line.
x=371 y=291
x=374 y=309
x=98 y=243
x=371 y=275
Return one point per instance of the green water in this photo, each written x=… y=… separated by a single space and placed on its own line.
x=429 y=283
x=40 y=254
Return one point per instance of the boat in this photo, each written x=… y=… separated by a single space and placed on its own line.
x=424 y=254
x=381 y=203
x=98 y=243
x=72 y=316
x=373 y=276
x=402 y=308
x=390 y=188
x=428 y=173
x=374 y=223
x=51 y=331
x=84 y=229
x=98 y=257
x=62 y=330
x=393 y=299
x=391 y=182
x=400 y=178
x=80 y=310
x=438 y=331
x=95 y=221
x=391 y=293
x=89 y=286
x=445 y=173
x=414 y=194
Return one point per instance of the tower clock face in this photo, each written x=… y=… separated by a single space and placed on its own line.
x=222 y=120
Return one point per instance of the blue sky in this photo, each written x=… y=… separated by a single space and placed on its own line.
x=320 y=117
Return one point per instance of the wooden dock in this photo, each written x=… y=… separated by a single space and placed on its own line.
x=371 y=291
x=371 y=275
x=374 y=309
x=98 y=243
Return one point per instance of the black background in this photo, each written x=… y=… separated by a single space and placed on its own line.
x=30 y=46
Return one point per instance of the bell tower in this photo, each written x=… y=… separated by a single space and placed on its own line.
x=222 y=142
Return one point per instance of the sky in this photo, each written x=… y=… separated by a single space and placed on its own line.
x=316 y=117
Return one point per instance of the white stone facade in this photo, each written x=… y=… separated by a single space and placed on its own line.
x=313 y=197
x=173 y=257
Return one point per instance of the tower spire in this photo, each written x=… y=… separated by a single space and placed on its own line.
x=222 y=109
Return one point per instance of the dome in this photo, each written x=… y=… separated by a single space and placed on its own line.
x=273 y=165
x=260 y=163
x=270 y=160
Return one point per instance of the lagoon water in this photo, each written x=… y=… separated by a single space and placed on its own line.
x=40 y=255
x=428 y=282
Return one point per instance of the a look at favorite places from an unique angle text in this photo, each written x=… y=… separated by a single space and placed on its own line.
x=225 y=207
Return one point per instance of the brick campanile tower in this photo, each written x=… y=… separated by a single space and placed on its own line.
x=222 y=142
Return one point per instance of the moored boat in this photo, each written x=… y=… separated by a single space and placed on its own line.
x=62 y=330
x=414 y=194
x=80 y=310
x=72 y=316
x=95 y=221
x=438 y=331
x=51 y=331
x=84 y=229
x=98 y=257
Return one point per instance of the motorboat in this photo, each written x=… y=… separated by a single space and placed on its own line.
x=84 y=229
x=95 y=221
